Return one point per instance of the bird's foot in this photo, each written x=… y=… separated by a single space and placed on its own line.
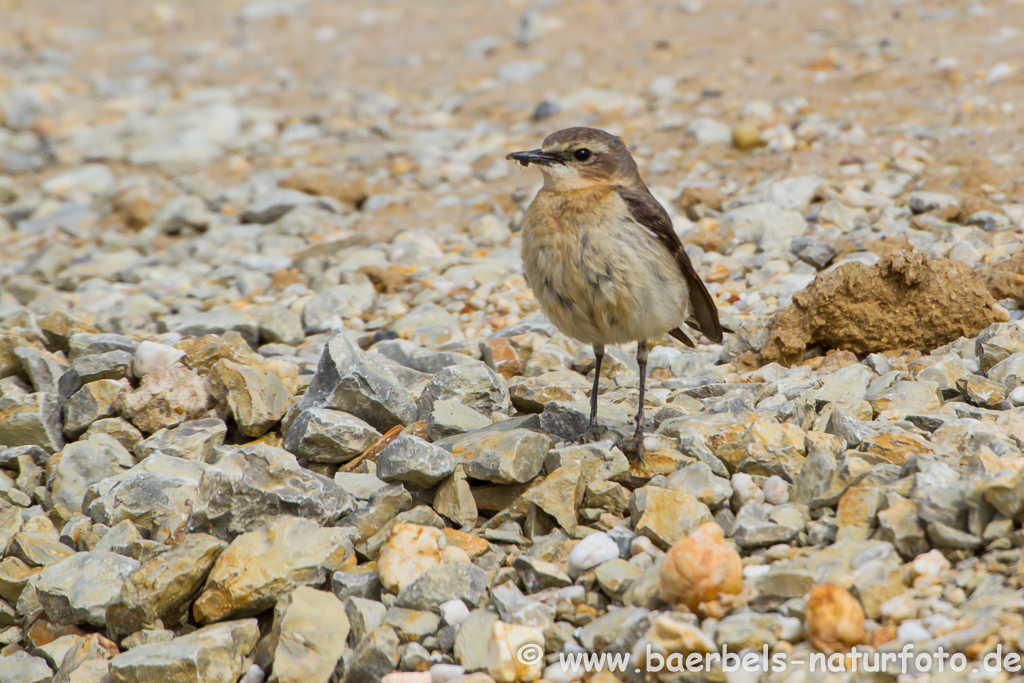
x=594 y=432
x=633 y=447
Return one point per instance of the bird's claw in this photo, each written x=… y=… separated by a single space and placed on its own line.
x=633 y=447
x=592 y=433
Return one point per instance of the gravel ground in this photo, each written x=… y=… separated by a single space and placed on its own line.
x=276 y=402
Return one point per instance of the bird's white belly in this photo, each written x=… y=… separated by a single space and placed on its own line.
x=610 y=286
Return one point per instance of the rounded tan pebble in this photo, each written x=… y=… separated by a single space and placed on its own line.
x=746 y=136
x=699 y=568
x=835 y=620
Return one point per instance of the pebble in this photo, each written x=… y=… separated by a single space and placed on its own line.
x=591 y=551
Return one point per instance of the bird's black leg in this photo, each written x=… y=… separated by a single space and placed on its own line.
x=633 y=447
x=594 y=431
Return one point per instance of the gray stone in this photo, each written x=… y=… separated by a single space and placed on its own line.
x=445 y=582
x=88 y=344
x=330 y=436
x=382 y=507
x=373 y=657
x=79 y=466
x=155 y=495
x=192 y=440
x=254 y=483
x=164 y=586
x=42 y=368
x=938 y=495
x=515 y=456
x=538 y=574
x=899 y=525
x=614 y=630
x=755 y=530
x=115 y=364
x=94 y=401
x=474 y=385
x=450 y=417
x=79 y=589
x=359 y=486
x=347 y=380
x=213 y=653
x=414 y=462
x=566 y=420
x=364 y=585
x=21 y=667
x=1009 y=371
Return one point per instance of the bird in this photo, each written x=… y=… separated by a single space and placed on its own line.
x=603 y=260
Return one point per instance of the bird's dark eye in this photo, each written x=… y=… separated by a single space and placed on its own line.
x=582 y=154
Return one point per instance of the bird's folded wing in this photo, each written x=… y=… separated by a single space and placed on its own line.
x=646 y=211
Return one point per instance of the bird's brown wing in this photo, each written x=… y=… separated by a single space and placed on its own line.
x=646 y=211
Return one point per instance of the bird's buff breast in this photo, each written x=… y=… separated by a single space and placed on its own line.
x=598 y=276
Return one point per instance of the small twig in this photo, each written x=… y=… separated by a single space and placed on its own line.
x=374 y=450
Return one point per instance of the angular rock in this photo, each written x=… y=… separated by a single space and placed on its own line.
x=444 y=582
x=414 y=462
x=474 y=385
x=163 y=587
x=347 y=380
x=79 y=466
x=329 y=436
x=166 y=398
x=252 y=484
x=308 y=637
x=260 y=566
x=92 y=402
x=21 y=667
x=373 y=657
x=516 y=456
x=211 y=654
x=256 y=396
x=668 y=515
x=31 y=420
x=193 y=440
x=79 y=589
x=155 y=495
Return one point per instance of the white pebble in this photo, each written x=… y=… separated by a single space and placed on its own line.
x=254 y=675
x=776 y=490
x=912 y=632
x=556 y=673
x=999 y=72
x=745 y=489
x=592 y=551
x=453 y=611
x=445 y=673
x=1017 y=396
x=151 y=356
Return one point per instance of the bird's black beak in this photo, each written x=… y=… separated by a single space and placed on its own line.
x=533 y=156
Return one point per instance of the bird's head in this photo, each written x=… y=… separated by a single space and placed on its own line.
x=578 y=158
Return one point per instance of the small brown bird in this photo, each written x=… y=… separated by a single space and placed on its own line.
x=603 y=259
